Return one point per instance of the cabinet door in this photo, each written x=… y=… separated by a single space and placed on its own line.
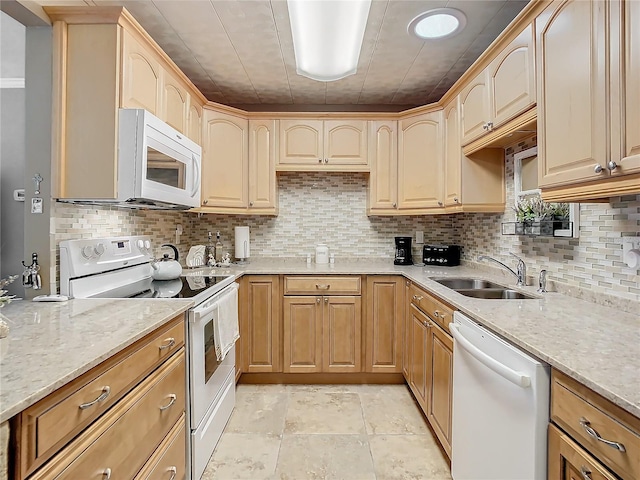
x=625 y=131
x=383 y=181
x=345 y=142
x=419 y=356
x=225 y=161
x=262 y=165
x=261 y=324
x=420 y=166
x=302 y=334
x=383 y=336
x=441 y=385
x=194 y=122
x=141 y=76
x=174 y=102
x=512 y=79
x=452 y=154
x=301 y=142
x=342 y=338
x=568 y=461
x=474 y=108
x=406 y=333
x=572 y=92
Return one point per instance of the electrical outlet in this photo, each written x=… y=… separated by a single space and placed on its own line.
x=419 y=236
x=36 y=205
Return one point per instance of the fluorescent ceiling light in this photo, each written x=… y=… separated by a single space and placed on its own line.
x=438 y=23
x=327 y=36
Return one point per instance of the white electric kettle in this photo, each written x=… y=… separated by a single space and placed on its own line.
x=166 y=268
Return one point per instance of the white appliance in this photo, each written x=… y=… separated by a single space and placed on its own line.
x=212 y=383
x=500 y=407
x=158 y=167
x=119 y=267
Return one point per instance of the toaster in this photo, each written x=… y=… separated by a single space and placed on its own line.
x=445 y=255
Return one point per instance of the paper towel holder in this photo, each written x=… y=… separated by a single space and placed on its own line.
x=242 y=247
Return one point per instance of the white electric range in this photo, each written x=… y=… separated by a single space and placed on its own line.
x=120 y=267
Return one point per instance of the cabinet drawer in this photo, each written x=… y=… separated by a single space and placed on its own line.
x=125 y=437
x=65 y=413
x=585 y=415
x=169 y=459
x=568 y=461
x=344 y=285
x=438 y=311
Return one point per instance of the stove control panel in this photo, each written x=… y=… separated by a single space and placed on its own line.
x=83 y=257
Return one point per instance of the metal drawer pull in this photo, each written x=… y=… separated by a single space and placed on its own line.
x=174 y=472
x=586 y=473
x=106 y=475
x=592 y=433
x=418 y=297
x=105 y=393
x=170 y=343
x=323 y=287
x=171 y=402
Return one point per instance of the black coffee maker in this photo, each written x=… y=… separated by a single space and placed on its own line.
x=403 y=251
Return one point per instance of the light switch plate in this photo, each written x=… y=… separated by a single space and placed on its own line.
x=419 y=236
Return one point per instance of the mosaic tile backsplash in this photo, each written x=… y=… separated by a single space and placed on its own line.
x=331 y=208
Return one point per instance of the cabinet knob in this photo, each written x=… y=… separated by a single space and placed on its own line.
x=426 y=324
x=490 y=125
x=318 y=300
x=326 y=160
x=612 y=165
x=598 y=168
x=251 y=204
x=205 y=201
x=455 y=199
x=394 y=205
x=440 y=204
x=319 y=160
x=106 y=475
x=586 y=473
x=326 y=300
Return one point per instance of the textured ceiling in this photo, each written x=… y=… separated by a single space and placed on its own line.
x=240 y=52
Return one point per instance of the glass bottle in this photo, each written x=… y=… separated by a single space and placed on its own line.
x=218 y=248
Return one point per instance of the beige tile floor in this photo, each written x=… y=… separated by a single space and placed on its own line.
x=350 y=432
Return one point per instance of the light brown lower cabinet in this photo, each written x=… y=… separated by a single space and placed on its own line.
x=260 y=329
x=568 y=461
x=322 y=334
x=169 y=460
x=428 y=364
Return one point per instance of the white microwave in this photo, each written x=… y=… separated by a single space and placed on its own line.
x=158 y=167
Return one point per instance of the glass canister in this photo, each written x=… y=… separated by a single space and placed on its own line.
x=322 y=253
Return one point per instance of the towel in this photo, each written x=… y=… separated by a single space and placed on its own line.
x=225 y=324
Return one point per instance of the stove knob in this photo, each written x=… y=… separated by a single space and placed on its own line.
x=99 y=249
x=147 y=244
x=140 y=244
x=441 y=260
x=88 y=252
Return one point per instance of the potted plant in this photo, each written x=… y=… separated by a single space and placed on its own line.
x=524 y=216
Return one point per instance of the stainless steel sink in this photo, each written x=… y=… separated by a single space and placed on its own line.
x=478 y=288
x=495 y=294
x=466 y=283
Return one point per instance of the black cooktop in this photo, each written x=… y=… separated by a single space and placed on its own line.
x=183 y=287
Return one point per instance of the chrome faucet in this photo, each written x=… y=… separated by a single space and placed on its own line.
x=542 y=282
x=521 y=269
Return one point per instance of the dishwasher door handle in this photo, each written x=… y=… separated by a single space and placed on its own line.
x=514 y=377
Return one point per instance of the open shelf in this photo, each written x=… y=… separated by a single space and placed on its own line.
x=543 y=228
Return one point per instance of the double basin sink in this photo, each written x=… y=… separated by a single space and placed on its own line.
x=478 y=288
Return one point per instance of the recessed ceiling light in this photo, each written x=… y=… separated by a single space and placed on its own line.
x=438 y=23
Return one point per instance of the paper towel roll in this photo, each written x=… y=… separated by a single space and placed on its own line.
x=242 y=243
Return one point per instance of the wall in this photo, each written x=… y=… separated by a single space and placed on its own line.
x=12 y=148
x=590 y=266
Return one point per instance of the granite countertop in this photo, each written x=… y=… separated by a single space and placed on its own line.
x=597 y=345
x=50 y=344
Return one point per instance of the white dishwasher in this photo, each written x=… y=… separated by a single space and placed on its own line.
x=500 y=407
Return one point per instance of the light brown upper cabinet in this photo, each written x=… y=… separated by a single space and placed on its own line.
x=225 y=161
x=323 y=145
x=452 y=153
x=102 y=61
x=420 y=163
x=502 y=91
x=238 y=165
x=583 y=155
x=383 y=181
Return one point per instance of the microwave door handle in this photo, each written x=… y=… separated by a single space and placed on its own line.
x=197 y=175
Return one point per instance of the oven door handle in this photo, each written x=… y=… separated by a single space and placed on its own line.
x=201 y=312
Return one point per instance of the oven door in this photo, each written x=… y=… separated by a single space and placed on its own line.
x=206 y=374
